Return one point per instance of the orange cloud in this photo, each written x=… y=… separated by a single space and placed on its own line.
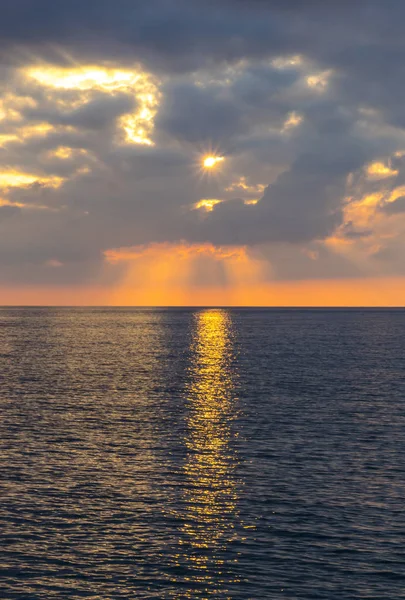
x=181 y=251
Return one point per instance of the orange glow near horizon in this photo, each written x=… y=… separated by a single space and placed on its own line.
x=179 y=273
x=372 y=292
x=204 y=275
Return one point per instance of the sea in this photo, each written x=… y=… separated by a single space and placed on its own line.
x=202 y=453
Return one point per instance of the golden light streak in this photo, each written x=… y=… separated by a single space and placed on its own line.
x=378 y=170
x=211 y=496
x=207 y=204
x=138 y=126
x=39 y=129
x=24 y=132
x=82 y=78
x=6 y=138
x=397 y=193
x=26 y=206
x=19 y=179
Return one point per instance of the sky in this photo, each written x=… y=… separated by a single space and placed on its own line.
x=201 y=152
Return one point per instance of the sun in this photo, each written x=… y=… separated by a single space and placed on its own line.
x=210 y=161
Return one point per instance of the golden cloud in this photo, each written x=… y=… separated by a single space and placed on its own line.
x=379 y=170
x=137 y=126
x=19 y=179
x=207 y=204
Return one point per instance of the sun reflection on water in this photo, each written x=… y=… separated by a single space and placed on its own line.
x=210 y=496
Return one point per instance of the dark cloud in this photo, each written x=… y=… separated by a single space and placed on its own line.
x=98 y=113
x=180 y=34
x=199 y=115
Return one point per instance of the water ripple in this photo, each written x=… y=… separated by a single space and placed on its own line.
x=202 y=453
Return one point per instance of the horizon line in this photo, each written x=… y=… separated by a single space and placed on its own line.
x=213 y=306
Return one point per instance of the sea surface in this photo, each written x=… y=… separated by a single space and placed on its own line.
x=202 y=453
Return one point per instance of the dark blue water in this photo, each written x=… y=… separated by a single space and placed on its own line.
x=202 y=454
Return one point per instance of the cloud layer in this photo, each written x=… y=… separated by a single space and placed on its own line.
x=107 y=110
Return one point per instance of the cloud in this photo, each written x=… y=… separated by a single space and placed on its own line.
x=107 y=110
x=100 y=112
x=395 y=207
x=198 y=115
